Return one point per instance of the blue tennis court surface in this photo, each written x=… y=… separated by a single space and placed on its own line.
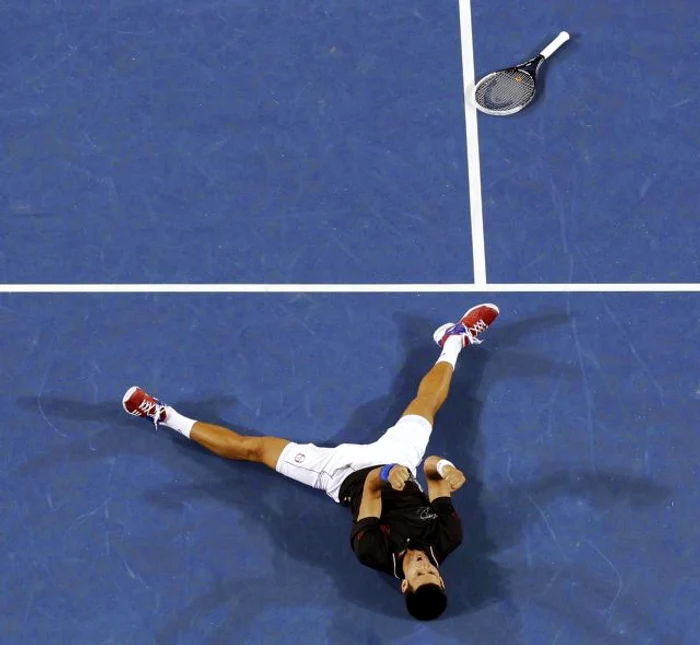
x=297 y=142
x=239 y=142
x=594 y=183
x=575 y=423
x=306 y=142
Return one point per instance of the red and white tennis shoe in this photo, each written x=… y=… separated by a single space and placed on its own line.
x=475 y=322
x=141 y=404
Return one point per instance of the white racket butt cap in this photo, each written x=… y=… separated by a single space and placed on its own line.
x=555 y=44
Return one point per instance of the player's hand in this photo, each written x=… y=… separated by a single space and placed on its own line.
x=455 y=478
x=398 y=476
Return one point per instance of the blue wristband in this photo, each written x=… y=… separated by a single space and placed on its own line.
x=384 y=474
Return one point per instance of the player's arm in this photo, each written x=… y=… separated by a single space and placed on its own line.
x=368 y=539
x=442 y=485
x=371 y=504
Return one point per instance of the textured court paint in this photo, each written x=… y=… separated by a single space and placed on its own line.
x=574 y=421
x=596 y=182
x=232 y=142
x=202 y=143
x=292 y=142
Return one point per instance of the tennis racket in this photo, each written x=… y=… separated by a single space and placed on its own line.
x=509 y=90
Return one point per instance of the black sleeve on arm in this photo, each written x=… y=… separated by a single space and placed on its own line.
x=370 y=544
x=450 y=525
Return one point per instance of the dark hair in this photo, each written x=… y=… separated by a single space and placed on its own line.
x=426 y=602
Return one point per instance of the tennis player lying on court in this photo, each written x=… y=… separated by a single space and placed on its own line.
x=396 y=529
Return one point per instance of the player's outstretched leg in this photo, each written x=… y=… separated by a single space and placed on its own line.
x=452 y=338
x=221 y=441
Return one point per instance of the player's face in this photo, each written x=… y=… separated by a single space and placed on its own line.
x=420 y=571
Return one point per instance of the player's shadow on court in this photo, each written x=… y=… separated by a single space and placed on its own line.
x=310 y=529
x=109 y=442
x=473 y=577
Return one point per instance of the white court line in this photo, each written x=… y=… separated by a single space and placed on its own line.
x=353 y=288
x=472 y=134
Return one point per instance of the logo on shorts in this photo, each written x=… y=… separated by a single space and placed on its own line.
x=300 y=457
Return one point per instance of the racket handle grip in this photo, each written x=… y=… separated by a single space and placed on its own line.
x=555 y=44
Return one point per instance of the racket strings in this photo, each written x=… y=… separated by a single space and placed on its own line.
x=506 y=90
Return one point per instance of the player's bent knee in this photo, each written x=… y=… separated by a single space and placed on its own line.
x=423 y=406
x=269 y=450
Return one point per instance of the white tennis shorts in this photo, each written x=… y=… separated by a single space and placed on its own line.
x=326 y=468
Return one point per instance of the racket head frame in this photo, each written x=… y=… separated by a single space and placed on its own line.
x=529 y=67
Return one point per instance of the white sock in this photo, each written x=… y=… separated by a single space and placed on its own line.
x=178 y=422
x=451 y=350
